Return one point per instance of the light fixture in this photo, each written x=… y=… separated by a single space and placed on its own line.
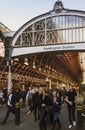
x=39 y=68
x=47 y=79
x=34 y=65
x=44 y=71
x=16 y=59
x=26 y=61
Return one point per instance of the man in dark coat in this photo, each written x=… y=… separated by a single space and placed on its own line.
x=71 y=97
x=10 y=105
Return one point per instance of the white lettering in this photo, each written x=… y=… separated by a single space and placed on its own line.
x=67 y=47
x=52 y=48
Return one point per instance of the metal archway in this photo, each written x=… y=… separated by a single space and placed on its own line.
x=51 y=32
x=55 y=31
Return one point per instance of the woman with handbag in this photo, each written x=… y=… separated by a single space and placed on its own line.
x=42 y=102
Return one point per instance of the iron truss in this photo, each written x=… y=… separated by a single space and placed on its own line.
x=53 y=30
x=61 y=67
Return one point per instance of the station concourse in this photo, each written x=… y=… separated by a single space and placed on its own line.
x=47 y=51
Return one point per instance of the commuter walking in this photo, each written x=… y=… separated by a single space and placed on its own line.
x=29 y=97
x=34 y=98
x=83 y=111
x=10 y=105
x=4 y=95
x=56 y=103
x=71 y=100
x=42 y=102
x=23 y=97
x=1 y=96
x=64 y=91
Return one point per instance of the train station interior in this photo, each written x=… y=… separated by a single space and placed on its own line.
x=48 y=51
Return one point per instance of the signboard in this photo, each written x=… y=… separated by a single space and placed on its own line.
x=47 y=48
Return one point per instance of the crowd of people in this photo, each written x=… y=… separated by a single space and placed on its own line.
x=45 y=104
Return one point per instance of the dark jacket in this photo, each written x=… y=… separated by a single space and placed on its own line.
x=56 y=105
x=38 y=101
x=12 y=101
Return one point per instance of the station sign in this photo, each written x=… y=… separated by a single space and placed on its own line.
x=47 y=48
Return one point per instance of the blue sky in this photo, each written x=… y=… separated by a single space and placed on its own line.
x=14 y=13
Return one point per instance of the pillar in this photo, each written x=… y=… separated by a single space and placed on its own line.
x=9 y=86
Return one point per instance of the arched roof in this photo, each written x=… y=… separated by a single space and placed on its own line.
x=67 y=13
x=62 y=26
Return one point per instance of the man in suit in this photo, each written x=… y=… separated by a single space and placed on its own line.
x=10 y=105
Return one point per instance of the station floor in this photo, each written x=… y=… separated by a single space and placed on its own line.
x=27 y=122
